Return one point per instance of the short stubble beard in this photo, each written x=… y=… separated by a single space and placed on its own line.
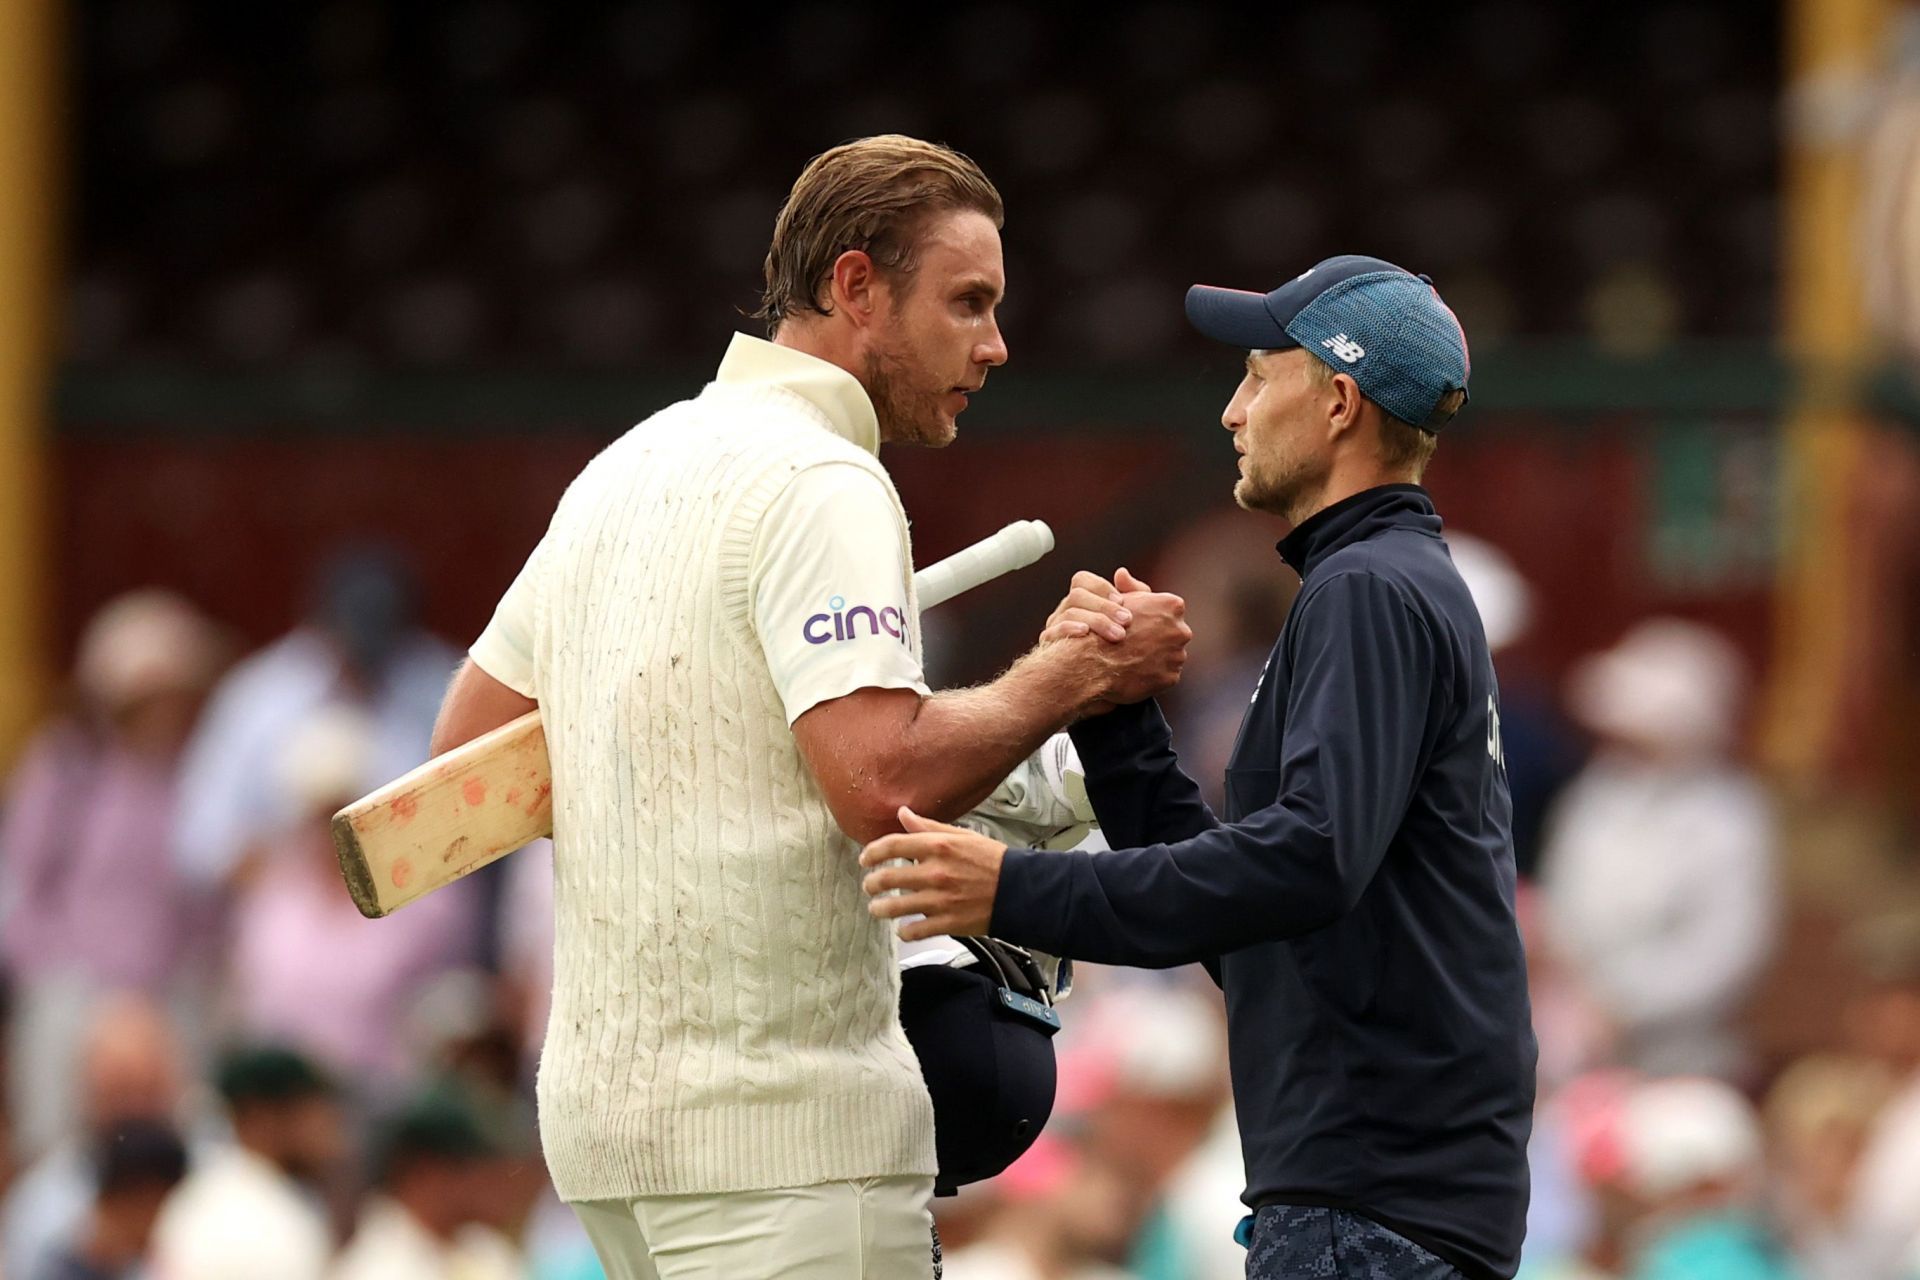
x=906 y=416
x=1284 y=490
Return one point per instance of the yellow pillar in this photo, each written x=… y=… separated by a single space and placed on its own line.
x=31 y=93
x=1835 y=53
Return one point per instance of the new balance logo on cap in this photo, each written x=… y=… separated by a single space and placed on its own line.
x=1344 y=347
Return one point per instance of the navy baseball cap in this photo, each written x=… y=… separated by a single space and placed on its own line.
x=1384 y=326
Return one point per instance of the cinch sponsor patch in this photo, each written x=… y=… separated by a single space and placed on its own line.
x=841 y=622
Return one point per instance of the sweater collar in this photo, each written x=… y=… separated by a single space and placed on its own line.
x=1354 y=519
x=837 y=394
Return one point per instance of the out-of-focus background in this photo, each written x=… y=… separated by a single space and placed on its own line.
x=308 y=311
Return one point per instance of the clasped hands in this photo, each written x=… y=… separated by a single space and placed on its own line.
x=1144 y=632
x=1121 y=642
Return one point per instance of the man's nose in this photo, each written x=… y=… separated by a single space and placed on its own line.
x=993 y=351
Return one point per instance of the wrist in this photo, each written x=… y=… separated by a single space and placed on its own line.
x=1072 y=685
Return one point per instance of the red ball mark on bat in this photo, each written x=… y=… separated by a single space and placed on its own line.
x=405 y=807
x=513 y=795
x=540 y=798
x=474 y=790
x=401 y=874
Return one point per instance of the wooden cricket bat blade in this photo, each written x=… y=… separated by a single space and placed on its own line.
x=452 y=815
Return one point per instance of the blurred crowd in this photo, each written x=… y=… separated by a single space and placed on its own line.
x=216 y=1068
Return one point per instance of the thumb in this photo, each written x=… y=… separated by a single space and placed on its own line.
x=1127 y=582
x=911 y=821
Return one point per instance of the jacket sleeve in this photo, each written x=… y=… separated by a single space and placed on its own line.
x=1363 y=672
x=1138 y=790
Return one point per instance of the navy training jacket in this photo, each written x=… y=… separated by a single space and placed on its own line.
x=1356 y=906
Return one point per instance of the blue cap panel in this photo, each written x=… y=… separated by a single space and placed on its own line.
x=1393 y=335
x=1320 y=279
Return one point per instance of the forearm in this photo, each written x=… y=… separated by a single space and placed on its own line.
x=1134 y=779
x=1234 y=886
x=475 y=703
x=961 y=744
x=1161 y=905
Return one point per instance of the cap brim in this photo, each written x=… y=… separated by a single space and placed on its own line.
x=1235 y=317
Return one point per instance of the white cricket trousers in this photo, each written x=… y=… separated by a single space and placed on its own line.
x=872 y=1229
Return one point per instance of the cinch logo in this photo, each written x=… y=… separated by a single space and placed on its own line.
x=842 y=623
x=1344 y=347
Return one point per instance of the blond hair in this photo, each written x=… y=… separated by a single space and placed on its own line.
x=873 y=195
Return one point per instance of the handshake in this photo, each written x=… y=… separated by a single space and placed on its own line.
x=1116 y=642
x=1106 y=644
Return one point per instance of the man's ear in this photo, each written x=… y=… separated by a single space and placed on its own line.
x=854 y=286
x=1345 y=412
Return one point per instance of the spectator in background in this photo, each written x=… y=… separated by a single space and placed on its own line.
x=1658 y=869
x=307 y=969
x=1563 y=1212
x=464 y=1026
x=467 y=1037
x=1066 y=1215
x=251 y=1209
x=1819 y=1117
x=1692 y=1154
x=525 y=944
x=1147 y=1101
x=1885 y=1214
x=1580 y=1124
x=424 y=1221
x=89 y=899
x=1541 y=753
x=138 y=1164
x=360 y=645
x=129 y=1070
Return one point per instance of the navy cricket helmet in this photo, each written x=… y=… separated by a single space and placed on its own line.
x=983 y=1029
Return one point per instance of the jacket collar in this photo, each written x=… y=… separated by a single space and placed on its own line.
x=1355 y=518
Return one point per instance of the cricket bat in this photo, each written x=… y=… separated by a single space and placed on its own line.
x=480 y=801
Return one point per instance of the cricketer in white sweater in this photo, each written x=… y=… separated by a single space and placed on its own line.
x=724 y=1009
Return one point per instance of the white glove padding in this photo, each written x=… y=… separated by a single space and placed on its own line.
x=1042 y=804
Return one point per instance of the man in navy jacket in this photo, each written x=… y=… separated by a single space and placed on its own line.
x=1356 y=905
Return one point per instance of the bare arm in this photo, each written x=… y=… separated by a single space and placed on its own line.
x=876 y=750
x=475 y=703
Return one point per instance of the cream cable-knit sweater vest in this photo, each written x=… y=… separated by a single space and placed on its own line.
x=724 y=1012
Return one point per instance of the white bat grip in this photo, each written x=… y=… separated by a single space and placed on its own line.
x=1014 y=547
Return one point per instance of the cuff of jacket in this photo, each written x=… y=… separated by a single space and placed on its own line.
x=1030 y=906
x=1120 y=734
